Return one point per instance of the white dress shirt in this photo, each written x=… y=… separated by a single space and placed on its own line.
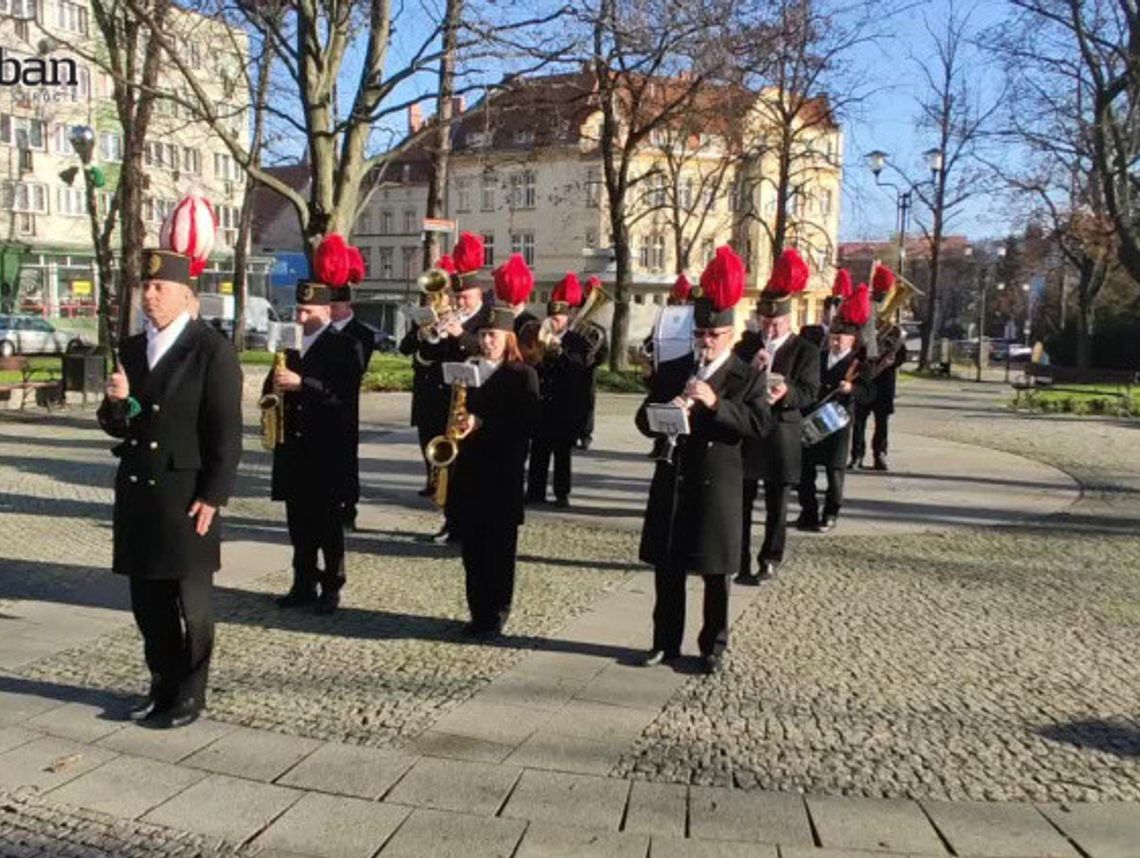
x=308 y=339
x=341 y=324
x=706 y=372
x=158 y=342
x=776 y=345
x=833 y=359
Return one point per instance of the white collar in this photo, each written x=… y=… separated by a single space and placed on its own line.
x=158 y=342
x=308 y=339
x=343 y=323
x=776 y=345
x=705 y=372
x=833 y=359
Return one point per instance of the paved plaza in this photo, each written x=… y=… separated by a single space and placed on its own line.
x=953 y=671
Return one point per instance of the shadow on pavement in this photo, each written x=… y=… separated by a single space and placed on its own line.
x=1119 y=739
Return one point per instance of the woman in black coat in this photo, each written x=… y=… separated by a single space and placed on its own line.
x=486 y=486
x=175 y=401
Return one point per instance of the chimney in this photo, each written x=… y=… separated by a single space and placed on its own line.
x=415 y=118
x=458 y=105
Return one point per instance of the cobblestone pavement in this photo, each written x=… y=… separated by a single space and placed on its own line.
x=31 y=827
x=980 y=663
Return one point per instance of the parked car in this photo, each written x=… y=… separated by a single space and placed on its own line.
x=32 y=335
x=1016 y=352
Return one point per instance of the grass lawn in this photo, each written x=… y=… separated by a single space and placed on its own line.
x=42 y=368
x=1082 y=399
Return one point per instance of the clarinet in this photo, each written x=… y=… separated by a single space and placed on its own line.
x=687 y=403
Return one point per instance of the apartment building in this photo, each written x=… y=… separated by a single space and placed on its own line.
x=45 y=233
x=526 y=174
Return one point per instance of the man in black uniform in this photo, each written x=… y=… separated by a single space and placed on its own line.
x=883 y=404
x=328 y=270
x=599 y=357
x=776 y=458
x=845 y=378
x=692 y=519
x=313 y=462
x=175 y=400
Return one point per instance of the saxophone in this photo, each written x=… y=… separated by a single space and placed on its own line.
x=442 y=450
x=272 y=407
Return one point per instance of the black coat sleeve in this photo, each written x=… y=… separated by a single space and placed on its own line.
x=514 y=415
x=112 y=417
x=803 y=386
x=410 y=344
x=750 y=418
x=220 y=426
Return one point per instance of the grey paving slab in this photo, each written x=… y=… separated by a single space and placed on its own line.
x=48 y=762
x=1103 y=830
x=228 y=808
x=568 y=799
x=13 y=737
x=333 y=827
x=127 y=786
x=564 y=665
x=477 y=788
x=349 y=770
x=16 y=708
x=599 y=720
x=676 y=847
x=1005 y=830
x=435 y=743
x=806 y=852
x=454 y=835
x=894 y=825
x=255 y=754
x=81 y=722
x=169 y=746
x=547 y=840
x=716 y=813
x=658 y=809
x=492 y=722
x=532 y=691
x=551 y=749
x=633 y=687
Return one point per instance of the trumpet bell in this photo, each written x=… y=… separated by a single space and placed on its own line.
x=433 y=280
x=441 y=451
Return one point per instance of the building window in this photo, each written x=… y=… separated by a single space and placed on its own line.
x=411 y=267
x=657 y=137
x=226 y=168
x=825 y=202
x=487 y=191
x=593 y=186
x=23 y=133
x=364 y=222
x=384 y=262
x=523 y=242
x=488 y=250
x=410 y=221
x=71 y=202
x=463 y=195
x=111 y=146
x=191 y=161
x=71 y=17
x=28 y=197
x=194 y=55
x=478 y=139
x=657 y=262
x=61 y=142
x=385 y=222
x=591 y=238
x=19 y=9
x=687 y=193
x=524 y=138
x=708 y=250
x=656 y=192
x=710 y=199
x=522 y=190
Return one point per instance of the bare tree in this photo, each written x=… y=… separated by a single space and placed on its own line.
x=440 y=150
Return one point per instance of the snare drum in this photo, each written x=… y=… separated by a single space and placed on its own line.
x=826 y=420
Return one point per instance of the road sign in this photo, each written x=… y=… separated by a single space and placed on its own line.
x=435 y=224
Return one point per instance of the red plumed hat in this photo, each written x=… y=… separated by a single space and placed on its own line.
x=722 y=285
x=789 y=277
x=190 y=230
x=592 y=283
x=568 y=291
x=331 y=262
x=514 y=281
x=855 y=311
x=682 y=290
x=841 y=288
x=468 y=253
x=882 y=281
x=446 y=263
x=356 y=267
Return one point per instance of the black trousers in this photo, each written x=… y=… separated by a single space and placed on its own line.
x=489 y=570
x=833 y=497
x=541 y=450
x=669 y=612
x=314 y=525
x=176 y=619
x=878 y=437
x=775 y=522
x=591 y=403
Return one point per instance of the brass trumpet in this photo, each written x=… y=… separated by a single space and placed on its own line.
x=436 y=284
x=272 y=407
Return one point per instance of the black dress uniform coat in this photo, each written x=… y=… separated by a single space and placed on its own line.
x=366 y=339
x=564 y=381
x=184 y=446
x=832 y=451
x=523 y=319
x=884 y=401
x=316 y=458
x=692 y=520
x=776 y=457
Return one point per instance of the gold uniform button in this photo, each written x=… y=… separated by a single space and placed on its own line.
x=133 y=478
x=134 y=442
x=154 y=407
x=296 y=434
x=150 y=482
x=154 y=445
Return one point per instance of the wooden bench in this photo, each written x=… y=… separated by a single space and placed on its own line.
x=47 y=392
x=1037 y=376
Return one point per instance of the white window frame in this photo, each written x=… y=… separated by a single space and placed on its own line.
x=523 y=242
x=61 y=141
x=386 y=222
x=70 y=202
x=463 y=194
x=593 y=187
x=408 y=257
x=410 y=222
x=27 y=197
x=384 y=263
x=488 y=249
x=12 y=126
x=111 y=154
x=71 y=17
x=487 y=190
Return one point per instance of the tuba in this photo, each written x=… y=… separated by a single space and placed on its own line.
x=584 y=325
x=436 y=284
x=442 y=450
x=889 y=334
x=272 y=407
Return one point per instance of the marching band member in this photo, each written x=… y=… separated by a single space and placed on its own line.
x=883 y=404
x=845 y=378
x=692 y=519
x=487 y=488
x=344 y=320
x=313 y=464
x=840 y=289
x=775 y=459
x=563 y=375
x=586 y=438
x=175 y=401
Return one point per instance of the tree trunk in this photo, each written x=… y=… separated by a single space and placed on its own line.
x=623 y=286
x=1084 y=336
x=103 y=263
x=241 y=263
x=931 y=329
x=437 y=166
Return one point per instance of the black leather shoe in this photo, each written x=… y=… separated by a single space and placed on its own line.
x=826 y=525
x=328 y=602
x=658 y=656
x=880 y=463
x=807 y=523
x=179 y=715
x=481 y=631
x=767 y=570
x=297 y=598
x=426 y=492
x=747 y=579
x=562 y=502
x=854 y=462
x=534 y=500
x=142 y=711
x=710 y=664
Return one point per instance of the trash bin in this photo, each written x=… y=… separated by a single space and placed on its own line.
x=84 y=372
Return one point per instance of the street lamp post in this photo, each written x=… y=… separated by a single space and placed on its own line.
x=982 y=316
x=82 y=138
